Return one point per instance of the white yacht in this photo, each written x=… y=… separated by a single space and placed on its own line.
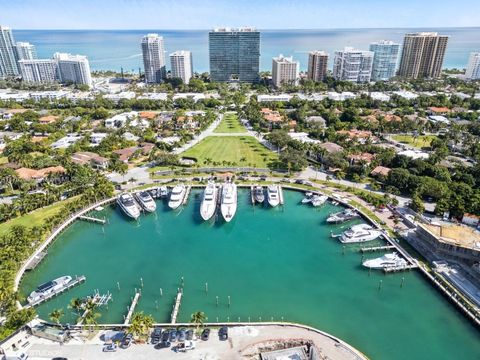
x=48 y=288
x=319 y=200
x=308 y=198
x=176 y=196
x=359 y=233
x=258 y=194
x=387 y=260
x=273 y=196
x=146 y=201
x=163 y=191
x=228 y=205
x=209 y=201
x=128 y=205
x=342 y=216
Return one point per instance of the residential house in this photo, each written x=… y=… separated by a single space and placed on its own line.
x=365 y=158
x=66 y=141
x=48 y=119
x=126 y=153
x=331 y=148
x=362 y=136
x=271 y=116
x=120 y=120
x=380 y=171
x=89 y=158
x=97 y=138
x=41 y=174
x=471 y=220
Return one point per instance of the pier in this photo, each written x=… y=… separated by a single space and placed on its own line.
x=252 y=194
x=98 y=300
x=280 y=194
x=176 y=306
x=77 y=281
x=93 y=219
x=376 y=248
x=131 y=308
x=187 y=193
x=33 y=263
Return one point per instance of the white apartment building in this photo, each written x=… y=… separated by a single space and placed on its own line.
x=353 y=65
x=41 y=71
x=182 y=65
x=25 y=51
x=8 y=63
x=153 y=51
x=473 y=67
x=73 y=68
x=284 y=71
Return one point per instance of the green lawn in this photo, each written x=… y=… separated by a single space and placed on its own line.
x=231 y=149
x=422 y=141
x=230 y=124
x=36 y=217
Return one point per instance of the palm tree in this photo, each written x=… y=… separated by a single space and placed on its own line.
x=56 y=315
x=141 y=324
x=198 y=318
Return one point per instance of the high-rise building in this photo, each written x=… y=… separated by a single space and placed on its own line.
x=317 y=65
x=182 y=65
x=422 y=55
x=25 y=51
x=353 y=65
x=384 y=59
x=8 y=61
x=234 y=54
x=39 y=70
x=473 y=67
x=153 y=51
x=73 y=69
x=284 y=71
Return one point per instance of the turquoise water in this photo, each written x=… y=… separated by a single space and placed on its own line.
x=113 y=49
x=271 y=262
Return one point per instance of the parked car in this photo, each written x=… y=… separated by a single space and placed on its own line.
x=299 y=181
x=109 y=348
x=182 y=334
x=185 y=346
x=127 y=341
x=173 y=335
x=190 y=334
x=162 y=344
x=205 y=334
x=156 y=335
x=223 y=333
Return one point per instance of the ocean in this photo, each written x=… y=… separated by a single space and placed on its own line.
x=114 y=49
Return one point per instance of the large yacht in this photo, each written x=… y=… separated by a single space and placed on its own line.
x=273 y=195
x=385 y=261
x=342 y=216
x=258 y=194
x=146 y=201
x=209 y=201
x=359 y=233
x=48 y=288
x=163 y=191
x=176 y=196
x=319 y=200
x=128 y=205
x=228 y=205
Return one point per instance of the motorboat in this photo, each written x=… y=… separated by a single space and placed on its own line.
x=385 y=261
x=258 y=194
x=128 y=205
x=228 y=205
x=176 y=196
x=342 y=216
x=273 y=196
x=163 y=191
x=146 y=201
x=359 y=233
x=308 y=198
x=209 y=201
x=319 y=200
x=153 y=193
x=48 y=288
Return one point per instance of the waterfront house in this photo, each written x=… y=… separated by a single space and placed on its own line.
x=41 y=174
x=88 y=158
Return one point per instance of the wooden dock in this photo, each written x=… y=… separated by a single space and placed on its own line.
x=93 y=219
x=280 y=194
x=176 y=306
x=376 y=248
x=131 y=308
x=187 y=193
x=33 y=263
x=77 y=281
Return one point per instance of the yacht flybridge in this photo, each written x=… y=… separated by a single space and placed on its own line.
x=128 y=205
x=359 y=233
x=228 y=205
x=48 y=288
x=146 y=201
x=385 y=261
x=209 y=201
x=273 y=195
x=177 y=196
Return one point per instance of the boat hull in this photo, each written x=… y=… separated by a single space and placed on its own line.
x=228 y=212
x=208 y=207
x=129 y=212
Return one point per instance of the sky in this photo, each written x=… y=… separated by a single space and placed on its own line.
x=262 y=14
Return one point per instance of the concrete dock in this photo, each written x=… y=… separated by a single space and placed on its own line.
x=131 y=308
x=176 y=306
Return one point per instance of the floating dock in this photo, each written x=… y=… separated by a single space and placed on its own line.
x=176 y=306
x=376 y=248
x=131 y=308
x=77 y=281
x=35 y=261
x=93 y=219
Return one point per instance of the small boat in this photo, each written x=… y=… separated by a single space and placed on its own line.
x=48 y=288
x=308 y=198
x=319 y=200
x=99 y=208
x=209 y=201
x=163 y=190
x=359 y=233
x=385 y=261
x=176 y=196
x=228 y=205
x=128 y=205
x=272 y=195
x=258 y=194
x=153 y=193
x=146 y=201
x=342 y=216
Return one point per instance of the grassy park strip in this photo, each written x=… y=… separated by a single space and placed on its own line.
x=230 y=124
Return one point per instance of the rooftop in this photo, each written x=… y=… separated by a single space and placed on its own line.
x=459 y=235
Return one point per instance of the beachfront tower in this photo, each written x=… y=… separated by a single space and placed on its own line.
x=25 y=51
x=385 y=59
x=8 y=61
x=73 y=69
x=473 y=67
x=284 y=71
x=353 y=65
x=317 y=65
x=153 y=51
x=181 y=65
